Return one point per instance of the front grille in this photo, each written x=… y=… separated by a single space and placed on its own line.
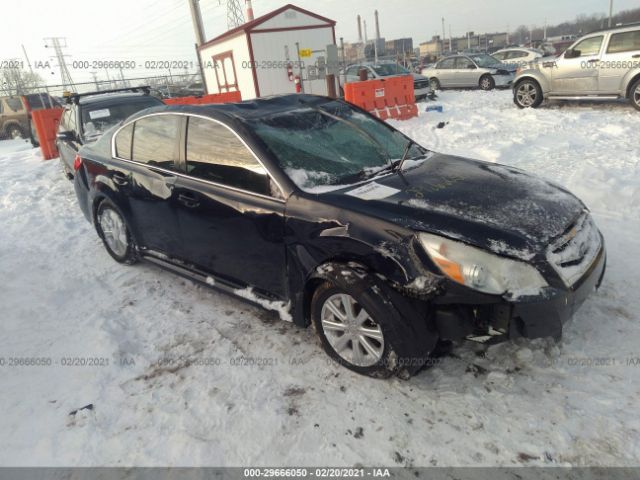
x=574 y=252
x=420 y=85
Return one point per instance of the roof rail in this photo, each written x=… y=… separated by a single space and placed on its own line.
x=615 y=27
x=75 y=97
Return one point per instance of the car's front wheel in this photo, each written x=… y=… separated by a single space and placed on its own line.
x=349 y=332
x=487 y=83
x=435 y=84
x=115 y=234
x=634 y=97
x=528 y=94
x=15 y=132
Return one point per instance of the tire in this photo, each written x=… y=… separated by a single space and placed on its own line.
x=14 y=131
x=65 y=170
x=527 y=94
x=115 y=234
x=634 y=95
x=381 y=341
x=487 y=83
x=435 y=84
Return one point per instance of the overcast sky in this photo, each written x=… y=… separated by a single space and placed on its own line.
x=140 y=30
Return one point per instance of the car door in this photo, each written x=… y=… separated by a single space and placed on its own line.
x=231 y=212
x=444 y=72
x=622 y=55
x=466 y=72
x=144 y=171
x=579 y=75
x=68 y=146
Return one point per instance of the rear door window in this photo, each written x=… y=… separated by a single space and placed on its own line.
x=447 y=63
x=15 y=104
x=214 y=153
x=624 y=42
x=156 y=141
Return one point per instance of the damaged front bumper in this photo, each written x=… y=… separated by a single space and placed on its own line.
x=502 y=80
x=490 y=319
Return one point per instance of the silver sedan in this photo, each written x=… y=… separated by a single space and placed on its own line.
x=481 y=71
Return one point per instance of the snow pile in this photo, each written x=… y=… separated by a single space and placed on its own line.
x=184 y=375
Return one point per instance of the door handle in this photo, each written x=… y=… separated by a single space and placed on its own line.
x=120 y=178
x=188 y=200
x=593 y=61
x=636 y=56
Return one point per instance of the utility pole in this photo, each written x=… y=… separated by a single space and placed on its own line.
x=443 y=35
x=58 y=43
x=450 y=40
x=27 y=58
x=196 y=17
x=544 y=37
x=610 y=12
x=95 y=80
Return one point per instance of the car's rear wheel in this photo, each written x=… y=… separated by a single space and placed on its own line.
x=435 y=84
x=634 y=97
x=115 y=234
x=487 y=83
x=528 y=94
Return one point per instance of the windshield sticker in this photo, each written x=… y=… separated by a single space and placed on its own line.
x=373 y=191
x=95 y=114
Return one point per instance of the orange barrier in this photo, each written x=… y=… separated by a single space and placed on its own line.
x=46 y=124
x=385 y=98
x=227 y=97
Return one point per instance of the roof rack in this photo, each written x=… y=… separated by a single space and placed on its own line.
x=75 y=97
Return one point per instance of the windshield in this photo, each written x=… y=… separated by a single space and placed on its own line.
x=386 y=69
x=484 y=60
x=97 y=119
x=331 y=146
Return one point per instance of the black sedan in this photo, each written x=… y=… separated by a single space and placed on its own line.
x=314 y=208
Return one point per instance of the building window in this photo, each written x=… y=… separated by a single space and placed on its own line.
x=225 y=69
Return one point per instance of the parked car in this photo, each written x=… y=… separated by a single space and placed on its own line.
x=481 y=70
x=14 y=118
x=519 y=57
x=87 y=115
x=601 y=65
x=15 y=113
x=388 y=69
x=312 y=207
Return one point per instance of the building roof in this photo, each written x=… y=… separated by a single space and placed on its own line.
x=247 y=27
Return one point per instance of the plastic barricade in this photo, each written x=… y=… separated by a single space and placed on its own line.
x=46 y=123
x=393 y=97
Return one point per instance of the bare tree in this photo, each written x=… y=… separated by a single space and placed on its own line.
x=15 y=81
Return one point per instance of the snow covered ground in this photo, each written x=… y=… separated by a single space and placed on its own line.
x=186 y=376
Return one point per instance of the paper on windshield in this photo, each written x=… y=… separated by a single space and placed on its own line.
x=103 y=113
x=372 y=191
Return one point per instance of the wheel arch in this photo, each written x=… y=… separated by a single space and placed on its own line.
x=536 y=78
x=632 y=81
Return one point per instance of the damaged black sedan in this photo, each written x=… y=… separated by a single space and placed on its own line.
x=312 y=207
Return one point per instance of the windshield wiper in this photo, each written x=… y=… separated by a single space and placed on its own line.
x=399 y=164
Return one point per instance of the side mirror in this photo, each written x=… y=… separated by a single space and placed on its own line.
x=572 y=53
x=66 y=136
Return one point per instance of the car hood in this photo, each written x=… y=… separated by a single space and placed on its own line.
x=503 y=66
x=419 y=78
x=492 y=206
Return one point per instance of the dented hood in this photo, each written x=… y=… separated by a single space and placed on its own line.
x=489 y=205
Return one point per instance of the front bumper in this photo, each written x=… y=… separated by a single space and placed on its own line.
x=488 y=319
x=536 y=318
x=422 y=92
x=503 y=80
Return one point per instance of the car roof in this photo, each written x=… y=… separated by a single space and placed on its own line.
x=618 y=28
x=244 y=111
x=113 y=98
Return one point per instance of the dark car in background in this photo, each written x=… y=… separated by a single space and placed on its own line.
x=88 y=115
x=312 y=207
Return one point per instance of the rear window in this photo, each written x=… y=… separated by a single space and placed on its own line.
x=98 y=118
x=624 y=42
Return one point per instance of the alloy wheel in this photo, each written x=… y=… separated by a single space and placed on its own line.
x=15 y=133
x=485 y=83
x=114 y=231
x=351 y=331
x=636 y=96
x=526 y=94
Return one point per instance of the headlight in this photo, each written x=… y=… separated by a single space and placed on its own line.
x=481 y=270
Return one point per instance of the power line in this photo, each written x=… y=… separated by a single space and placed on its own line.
x=55 y=42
